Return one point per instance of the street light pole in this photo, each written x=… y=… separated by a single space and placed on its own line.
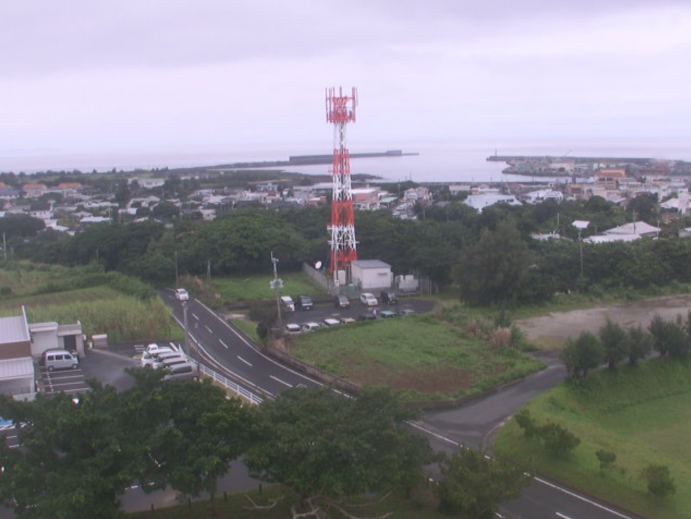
x=277 y=284
x=580 y=241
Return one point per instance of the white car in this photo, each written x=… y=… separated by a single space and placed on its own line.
x=368 y=299
x=330 y=321
x=181 y=294
x=309 y=327
x=288 y=303
x=293 y=329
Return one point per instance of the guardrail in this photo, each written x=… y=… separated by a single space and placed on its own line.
x=232 y=386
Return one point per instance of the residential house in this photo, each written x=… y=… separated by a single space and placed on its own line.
x=17 y=377
x=34 y=190
x=479 y=202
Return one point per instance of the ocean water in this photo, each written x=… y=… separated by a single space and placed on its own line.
x=435 y=162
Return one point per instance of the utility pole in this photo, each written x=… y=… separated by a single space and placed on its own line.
x=184 y=323
x=176 y=269
x=4 y=245
x=277 y=284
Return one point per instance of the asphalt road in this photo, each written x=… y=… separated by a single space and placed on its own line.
x=472 y=424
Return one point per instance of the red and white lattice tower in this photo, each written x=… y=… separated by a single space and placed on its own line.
x=340 y=110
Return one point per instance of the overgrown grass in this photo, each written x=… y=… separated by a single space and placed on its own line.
x=250 y=288
x=106 y=307
x=421 y=504
x=248 y=327
x=418 y=355
x=641 y=414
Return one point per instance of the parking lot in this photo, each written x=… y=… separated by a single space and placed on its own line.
x=68 y=381
x=356 y=311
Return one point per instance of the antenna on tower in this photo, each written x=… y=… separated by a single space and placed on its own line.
x=340 y=110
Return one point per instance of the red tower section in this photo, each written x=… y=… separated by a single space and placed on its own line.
x=340 y=110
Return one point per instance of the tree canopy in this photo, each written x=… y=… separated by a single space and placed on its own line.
x=79 y=455
x=325 y=447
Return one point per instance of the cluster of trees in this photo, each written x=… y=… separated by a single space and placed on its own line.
x=489 y=255
x=557 y=439
x=79 y=455
x=614 y=345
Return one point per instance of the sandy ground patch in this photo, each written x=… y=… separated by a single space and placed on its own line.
x=553 y=329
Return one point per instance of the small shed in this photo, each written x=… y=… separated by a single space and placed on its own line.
x=371 y=274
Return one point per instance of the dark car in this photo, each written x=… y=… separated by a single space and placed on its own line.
x=366 y=317
x=388 y=297
x=304 y=302
x=342 y=302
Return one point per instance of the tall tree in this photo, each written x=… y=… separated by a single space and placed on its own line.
x=615 y=342
x=640 y=344
x=326 y=448
x=474 y=485
x=583 y=354
x=496 y=268
x=78 y=456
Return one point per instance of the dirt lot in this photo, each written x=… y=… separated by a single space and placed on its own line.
x=553 y=329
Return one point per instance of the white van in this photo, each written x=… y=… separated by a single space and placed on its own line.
x=59 y=359
x=162 y=358
x=149 y=357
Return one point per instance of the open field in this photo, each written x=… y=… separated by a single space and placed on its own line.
x=251 y=288
x=643 y=415
x=100 y=309
x=422 y=504
x=418 y=355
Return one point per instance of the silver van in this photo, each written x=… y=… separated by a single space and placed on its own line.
x=149 y=357
x=183 y=371
x=162 y=359
x=59 y=359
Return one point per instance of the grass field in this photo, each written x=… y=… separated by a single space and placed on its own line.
x=417 y=355
x=643 y=415
x=250 y=288
x=100 y=309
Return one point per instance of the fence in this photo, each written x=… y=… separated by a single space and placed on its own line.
x=318 y=277
x=232 y=386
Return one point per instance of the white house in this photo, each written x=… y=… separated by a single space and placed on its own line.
x=536 y=197
x=16 y=364
x=371 y=274
x=479 y=202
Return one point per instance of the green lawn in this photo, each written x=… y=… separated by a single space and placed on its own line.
x=423 y=357
x=643 y=415
x=250 y=288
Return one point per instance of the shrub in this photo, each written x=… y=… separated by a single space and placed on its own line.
x=606 y=459
x=558 y=440
x=660 y=482
x=526 y=422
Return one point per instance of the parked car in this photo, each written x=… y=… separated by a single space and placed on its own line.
x=292 y=329
x=406 y=311
x=366 y=317
x=287 y=303
x=181 y=294
x=387 y=314
x=368 y=299
x=342 y=301
x=388 y=297
x=330 y=321
x=304 y=303
x=59 y=359
x=310 y=327
x=347 y=320
x=182 y=371
x=149 y=357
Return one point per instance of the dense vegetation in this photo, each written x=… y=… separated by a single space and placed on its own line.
x=447 y=244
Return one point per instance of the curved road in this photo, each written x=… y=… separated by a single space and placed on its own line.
x=471 y=424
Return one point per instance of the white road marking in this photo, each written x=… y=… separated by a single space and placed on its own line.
x=210 y=330
x=562 y=516
x=195 y=316
x=281 y=381
x=224 y=344
x=243 y=360
x=572 y=494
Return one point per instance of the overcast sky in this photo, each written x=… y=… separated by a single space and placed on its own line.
x=136 y=75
